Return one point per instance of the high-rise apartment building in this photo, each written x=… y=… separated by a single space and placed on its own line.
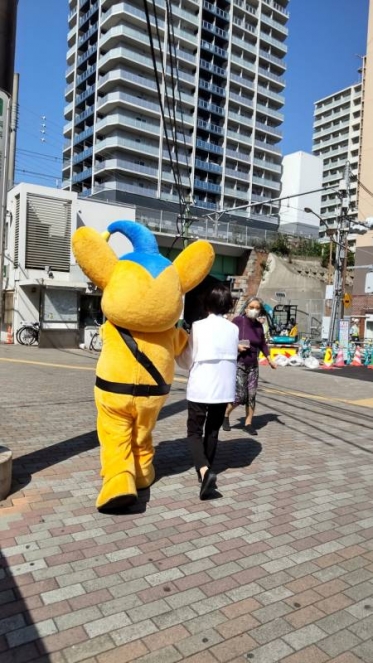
x=225 y=99
x=336 y=140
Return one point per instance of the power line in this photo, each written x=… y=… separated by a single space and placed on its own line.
x=43 y=175
x=365 y=188
x=152 y=50
x=40 y=154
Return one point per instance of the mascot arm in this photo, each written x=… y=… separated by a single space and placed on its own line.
x=180 y=340
x=185 y=359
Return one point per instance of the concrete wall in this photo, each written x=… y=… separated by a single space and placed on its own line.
x=304 y=291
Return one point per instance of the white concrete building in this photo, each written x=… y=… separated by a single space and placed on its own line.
x=42 y=280
x=301 y=172
x=226 y=100
x=336 y=140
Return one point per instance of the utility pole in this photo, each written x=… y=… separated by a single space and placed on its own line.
x=4 y=157
x=13 y=132
x=341 y=250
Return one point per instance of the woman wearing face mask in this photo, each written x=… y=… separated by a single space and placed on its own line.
x=251 y=335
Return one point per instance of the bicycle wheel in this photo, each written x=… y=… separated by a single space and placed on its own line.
x=36 y=337
x=26 y=336
x=96 y=342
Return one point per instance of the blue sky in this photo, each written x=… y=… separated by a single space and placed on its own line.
x=325 y=39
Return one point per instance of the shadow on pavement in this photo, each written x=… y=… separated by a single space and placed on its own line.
x=20 y=639
x=260 y=421
x=173 y=408
x=174 y=457
x=352 y=372
x=35 y=461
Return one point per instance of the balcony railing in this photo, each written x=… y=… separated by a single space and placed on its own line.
x=215 y=10
x=210 y=147
x=208 y=165
x=206 y=186
x=208 y=126
x=204 y=64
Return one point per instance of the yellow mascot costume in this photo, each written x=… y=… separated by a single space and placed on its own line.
x=142 y=302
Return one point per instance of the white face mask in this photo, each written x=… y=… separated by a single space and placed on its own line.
x=252 y=313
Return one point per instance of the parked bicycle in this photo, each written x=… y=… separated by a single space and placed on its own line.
x=28 y=333
x=96 y=340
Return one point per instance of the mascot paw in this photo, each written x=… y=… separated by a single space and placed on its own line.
x=144 y=479
x=117 y=493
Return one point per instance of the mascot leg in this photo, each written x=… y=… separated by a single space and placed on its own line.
x=142 y=443
x=115 y=430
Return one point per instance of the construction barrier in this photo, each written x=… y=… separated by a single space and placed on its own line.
x=339 y=362
x=357 y=357
x=328 y=359
x=9 y=335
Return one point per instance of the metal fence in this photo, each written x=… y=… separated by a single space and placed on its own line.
x=224 y=232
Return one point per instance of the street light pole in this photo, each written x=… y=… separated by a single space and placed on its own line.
x=343 y=226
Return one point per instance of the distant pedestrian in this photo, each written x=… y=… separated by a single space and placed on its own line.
x=251 y=335
x=211 y=357
x=354 y=331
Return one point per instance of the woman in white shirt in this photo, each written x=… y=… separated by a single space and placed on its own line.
x=211 y=357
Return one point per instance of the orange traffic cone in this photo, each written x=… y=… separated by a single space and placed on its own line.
x=328 y=358
x=339 y=362
x=357 y=357
x=9 y=335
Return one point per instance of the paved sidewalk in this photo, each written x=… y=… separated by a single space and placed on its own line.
x=278 y=569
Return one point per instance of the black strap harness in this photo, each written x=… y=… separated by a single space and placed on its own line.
x=161 y=388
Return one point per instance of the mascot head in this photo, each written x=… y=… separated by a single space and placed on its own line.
x=142 y=290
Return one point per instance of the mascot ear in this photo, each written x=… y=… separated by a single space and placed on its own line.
x=94 y=256
x=194 y=263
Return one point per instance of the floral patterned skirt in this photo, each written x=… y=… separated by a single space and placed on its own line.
x=246 y=385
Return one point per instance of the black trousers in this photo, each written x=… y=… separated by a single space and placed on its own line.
x=204 y=422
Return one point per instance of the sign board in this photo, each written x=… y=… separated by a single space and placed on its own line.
x=347 y=300
x=325 y=327
x=344 y=336
x=369 y=283
x=60 y=306
x=329 y=292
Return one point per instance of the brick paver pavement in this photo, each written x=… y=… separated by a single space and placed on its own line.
x=279 y=568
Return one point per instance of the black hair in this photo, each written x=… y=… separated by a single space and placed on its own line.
x=218 y=300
